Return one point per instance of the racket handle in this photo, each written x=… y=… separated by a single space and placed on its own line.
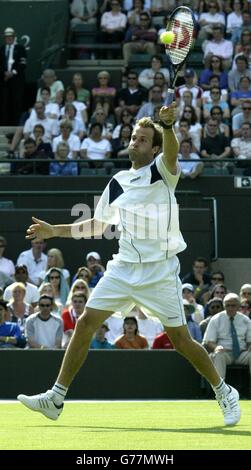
x=169 y=97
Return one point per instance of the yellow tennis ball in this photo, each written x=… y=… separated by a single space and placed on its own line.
x=167 y=37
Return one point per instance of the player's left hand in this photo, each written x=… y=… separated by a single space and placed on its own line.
x=167 y=114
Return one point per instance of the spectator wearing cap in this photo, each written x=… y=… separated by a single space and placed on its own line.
x=192 y=325
x=100 y=341
x=93 y=261
x=131 y=338
x=12 y=78
x=218 y=46
x=188 y=295
x=31 y=291
x=6 y=265
x=34 y=259
x=190 y=84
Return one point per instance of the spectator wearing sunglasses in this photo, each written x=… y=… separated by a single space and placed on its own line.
x=44 y=330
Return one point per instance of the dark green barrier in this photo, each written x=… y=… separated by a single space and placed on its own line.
x=106 y=375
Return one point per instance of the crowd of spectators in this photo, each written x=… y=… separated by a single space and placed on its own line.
x=41 y=301
x=85 y=125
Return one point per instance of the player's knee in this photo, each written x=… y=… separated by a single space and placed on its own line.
x=85 y=325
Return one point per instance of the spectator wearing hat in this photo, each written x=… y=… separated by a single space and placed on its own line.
x=31 y=291
x=12 y=79
x=188 y=293
x=131 y=338
x=100 y=341
x=6 y=265
x=190 y=84
x=93 y=261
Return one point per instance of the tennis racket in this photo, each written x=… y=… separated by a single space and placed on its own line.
x=183 y=24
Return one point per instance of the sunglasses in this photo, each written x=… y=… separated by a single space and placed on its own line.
x=54 y=277
x=44 y=305
x=246 y=109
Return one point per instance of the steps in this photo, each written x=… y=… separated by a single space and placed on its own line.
x=4 y=147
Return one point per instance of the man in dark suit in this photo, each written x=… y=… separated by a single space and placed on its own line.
x=12 y=79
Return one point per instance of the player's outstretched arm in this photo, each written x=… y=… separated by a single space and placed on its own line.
x=167 y=116
x=43 y=230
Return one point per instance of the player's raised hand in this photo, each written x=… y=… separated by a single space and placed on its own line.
x=39 y=229
x=167 y=114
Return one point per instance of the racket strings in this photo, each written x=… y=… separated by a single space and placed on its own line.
x=177 y=53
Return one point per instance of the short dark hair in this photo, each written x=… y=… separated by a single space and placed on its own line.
x=47 y=297
x=134 y=319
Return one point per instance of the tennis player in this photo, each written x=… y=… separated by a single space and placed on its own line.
x=145 y=272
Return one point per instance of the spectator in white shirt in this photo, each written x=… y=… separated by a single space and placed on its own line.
x=67 y=136
x=34 y=259
x=219 y=46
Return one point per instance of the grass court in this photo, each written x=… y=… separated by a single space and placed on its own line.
x=136 y=425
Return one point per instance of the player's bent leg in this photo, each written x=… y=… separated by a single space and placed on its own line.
x=50 y=403
x=226 y=395
x=78 y=347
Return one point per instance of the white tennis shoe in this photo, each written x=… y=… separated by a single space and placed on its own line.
x=43 y=403
x=230 y=406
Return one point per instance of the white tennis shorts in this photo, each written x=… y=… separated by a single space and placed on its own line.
x=154 y=287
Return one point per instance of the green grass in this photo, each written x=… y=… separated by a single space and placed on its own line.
x=125 y=425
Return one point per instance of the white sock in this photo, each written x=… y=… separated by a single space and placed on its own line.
x=60 y=392
x=221 y=389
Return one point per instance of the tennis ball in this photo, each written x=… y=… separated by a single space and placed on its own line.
x=167 y=37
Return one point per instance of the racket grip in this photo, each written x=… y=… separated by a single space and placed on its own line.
x=169 y=97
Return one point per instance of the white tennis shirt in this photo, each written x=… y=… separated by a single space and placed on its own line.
x=143 y=205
